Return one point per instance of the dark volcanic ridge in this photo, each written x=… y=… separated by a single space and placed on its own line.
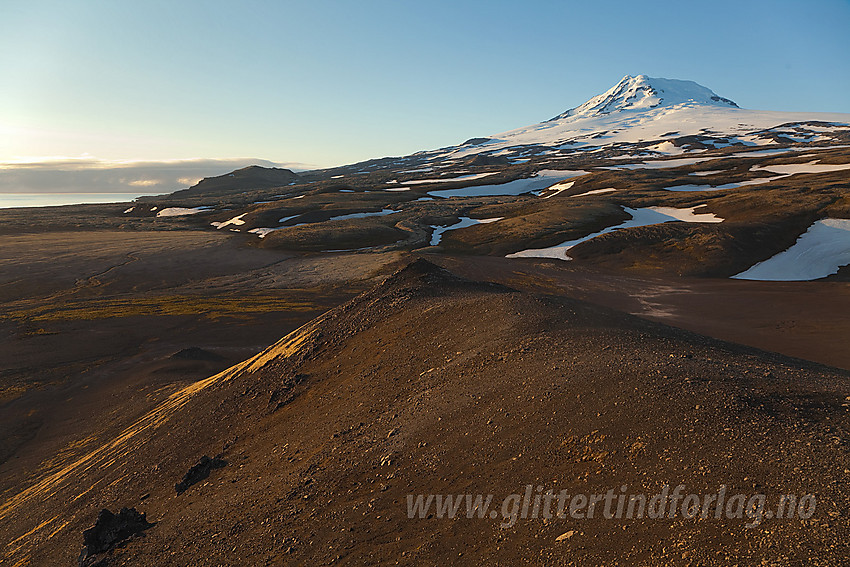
x=434 y=384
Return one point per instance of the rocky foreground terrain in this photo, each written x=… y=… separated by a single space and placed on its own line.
x=648 y=290
x=434 y=384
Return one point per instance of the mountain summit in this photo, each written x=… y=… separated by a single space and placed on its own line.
x=644 y=93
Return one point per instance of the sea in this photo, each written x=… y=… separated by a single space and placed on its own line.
x=9 y=200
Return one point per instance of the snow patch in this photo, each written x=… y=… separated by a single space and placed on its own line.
x=559 y=188
x=181 y=211
x=595 y=192
x=464 y=222
x=662 y=164
x=542 y=180
x=668 y=148
x=445 y=179
x=640 y=217
x=795 y=168
x=760 y=153
x=363 y=215
x=818 y=253
x=736 y=185
x=262 y=232
x=235 y=221
x=782 y=171
x=687 y=215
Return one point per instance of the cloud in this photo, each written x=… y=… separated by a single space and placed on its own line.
x=89 y=175
x=148 y=182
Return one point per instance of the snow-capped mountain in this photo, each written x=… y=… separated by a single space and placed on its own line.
x=666 y=116
x=644 y=93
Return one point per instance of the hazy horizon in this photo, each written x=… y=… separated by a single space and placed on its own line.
x=88 y=176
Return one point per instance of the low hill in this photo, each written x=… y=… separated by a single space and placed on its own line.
x=247 y=178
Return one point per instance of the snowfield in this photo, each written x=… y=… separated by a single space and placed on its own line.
x=543 y=180
x=464 y=222
x=640 y=217
x=819 y=252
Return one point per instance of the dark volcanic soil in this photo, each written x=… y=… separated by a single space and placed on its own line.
x=432 y=384
x=805 y=320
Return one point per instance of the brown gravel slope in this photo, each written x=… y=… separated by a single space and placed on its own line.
x=431 y=384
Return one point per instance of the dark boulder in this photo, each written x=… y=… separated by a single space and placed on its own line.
x=109 y=531
x=199 y=472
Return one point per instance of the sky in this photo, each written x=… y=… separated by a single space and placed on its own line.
x=93 y=85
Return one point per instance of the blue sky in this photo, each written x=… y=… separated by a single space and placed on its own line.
x=325 y=82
